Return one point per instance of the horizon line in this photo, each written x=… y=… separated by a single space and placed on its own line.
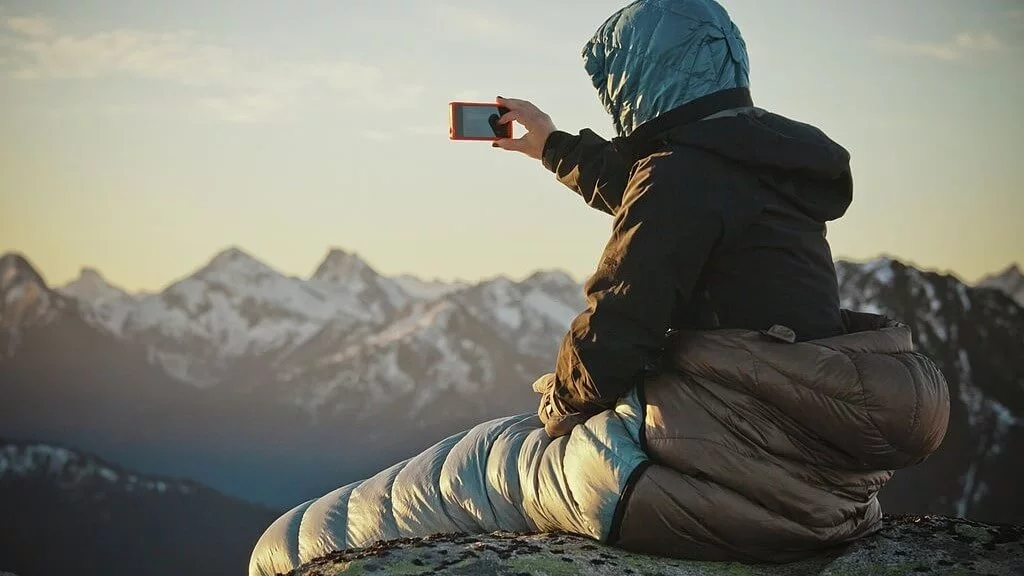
x=333 y=248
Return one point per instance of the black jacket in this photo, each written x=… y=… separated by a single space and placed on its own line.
x=718 y=223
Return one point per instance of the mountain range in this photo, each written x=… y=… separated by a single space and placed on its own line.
x=264 y=385
x=69 y=512
x=277 y=388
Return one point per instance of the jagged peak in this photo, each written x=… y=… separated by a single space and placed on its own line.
x=31 y=458
x=25 y=299
x=340 y=266
x=92 y=286
x=879 y=260
x=90 y=273
x=887 y=264
x=16 y=270
x=234 y=259
x=499 y=282
x=552 y=276
x=1010 y=281
x=883 y=268
x=1011 y=272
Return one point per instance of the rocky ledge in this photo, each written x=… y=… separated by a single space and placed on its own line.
x=907 y=545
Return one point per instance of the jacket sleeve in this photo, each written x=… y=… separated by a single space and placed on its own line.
x=667 y=227
x=588 y=165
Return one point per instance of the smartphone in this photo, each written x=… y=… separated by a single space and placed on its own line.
x=477 y=121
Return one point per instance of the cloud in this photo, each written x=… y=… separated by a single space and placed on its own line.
x=36 y=50
x=235 y=84
x=32 y=26
x=959 y=47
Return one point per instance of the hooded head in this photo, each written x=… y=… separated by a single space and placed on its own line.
x=656 y=55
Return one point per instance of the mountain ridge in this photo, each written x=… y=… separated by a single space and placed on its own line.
x=346 y=395
x=1013 y=269
x=332 y=253
x=1010 y=281
x=72 y=511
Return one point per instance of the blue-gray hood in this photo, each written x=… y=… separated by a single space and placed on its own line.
x=656 y=55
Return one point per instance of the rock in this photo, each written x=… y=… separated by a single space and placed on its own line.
x=906 y=545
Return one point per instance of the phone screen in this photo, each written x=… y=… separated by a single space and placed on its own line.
x=480 y=121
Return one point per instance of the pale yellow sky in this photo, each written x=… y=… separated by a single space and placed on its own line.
x=141 y=138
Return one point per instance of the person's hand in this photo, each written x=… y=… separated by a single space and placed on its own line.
x=556 y=423
x=538 y=127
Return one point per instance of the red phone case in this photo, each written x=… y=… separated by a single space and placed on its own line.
x=453 y=122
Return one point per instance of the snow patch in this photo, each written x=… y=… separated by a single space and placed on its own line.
x=881 y=269
x=426 y=289
x=71 y=470
x=90 y=287
x=556 y=311
x=992 y=422
x=1009 y=281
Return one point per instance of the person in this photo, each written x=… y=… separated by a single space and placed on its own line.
x=719 y=208
x=714 y=401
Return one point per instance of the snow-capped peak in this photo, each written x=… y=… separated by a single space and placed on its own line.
x=243 y=306
x=345 y=272
x=238 y=306
x=73 y=469
x=420 y=289
x=15 y=271
x=104 y=304
x=881 y=269
x=557 y=284
x=91 y=287
x=234 y=262
x=1010 y=281
x=24 y=297
x=343 y=268
x=555 y=277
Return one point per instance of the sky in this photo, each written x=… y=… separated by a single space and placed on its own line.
x=141 y=138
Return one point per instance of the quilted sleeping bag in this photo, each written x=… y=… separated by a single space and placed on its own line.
x=745 y=447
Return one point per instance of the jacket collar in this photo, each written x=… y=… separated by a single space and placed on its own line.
x=651 y=134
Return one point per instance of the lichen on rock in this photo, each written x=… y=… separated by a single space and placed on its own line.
x=906 y=545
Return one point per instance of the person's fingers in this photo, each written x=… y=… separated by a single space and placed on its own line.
x=514 y=115
x=544 y=383
x=517 y=104
x=513 y=144
x=562 y=425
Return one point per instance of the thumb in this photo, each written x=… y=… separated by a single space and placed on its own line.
x=558 y=426
x=544 y=383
